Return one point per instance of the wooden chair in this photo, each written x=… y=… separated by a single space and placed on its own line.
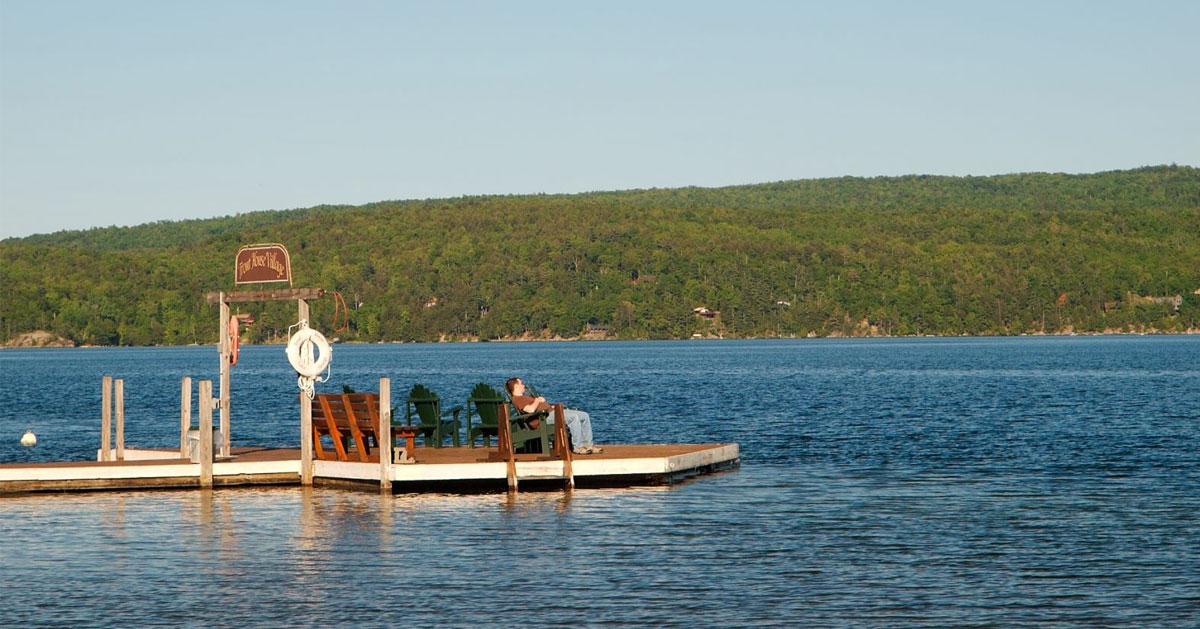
x=432 y=422
x=350 y=420
x=485 y=400
x=488 y=404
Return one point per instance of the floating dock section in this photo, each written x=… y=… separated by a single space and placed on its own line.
x=445 y=469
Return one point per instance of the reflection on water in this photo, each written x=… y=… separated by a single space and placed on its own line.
x=992 y=482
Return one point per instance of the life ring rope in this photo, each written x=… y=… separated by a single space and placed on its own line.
x=310 y=355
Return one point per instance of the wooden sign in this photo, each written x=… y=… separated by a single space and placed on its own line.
x=258 y=264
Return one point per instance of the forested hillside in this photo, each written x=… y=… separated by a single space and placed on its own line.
x=1007 y=254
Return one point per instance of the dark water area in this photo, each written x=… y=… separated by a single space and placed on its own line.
x=884 y=482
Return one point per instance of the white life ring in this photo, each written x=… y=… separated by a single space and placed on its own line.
x=300 y=352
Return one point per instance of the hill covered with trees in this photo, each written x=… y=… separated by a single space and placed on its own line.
x=1009 y=254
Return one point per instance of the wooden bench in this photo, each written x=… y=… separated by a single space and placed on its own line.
x=351 y=421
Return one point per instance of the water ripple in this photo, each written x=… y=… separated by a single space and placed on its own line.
x=974 y=482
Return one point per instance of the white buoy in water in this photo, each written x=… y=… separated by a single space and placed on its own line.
x=28 y=439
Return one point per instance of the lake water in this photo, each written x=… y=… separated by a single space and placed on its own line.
x=889 y=482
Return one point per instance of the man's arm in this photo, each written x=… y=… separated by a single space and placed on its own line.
x=536 y=404
x=528 y=404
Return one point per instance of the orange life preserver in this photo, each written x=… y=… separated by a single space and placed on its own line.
x=233 y=340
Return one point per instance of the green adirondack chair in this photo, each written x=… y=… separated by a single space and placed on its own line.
x=433 y=423
x=487 y=402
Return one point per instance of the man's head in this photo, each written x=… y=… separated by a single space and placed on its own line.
x=512 y=385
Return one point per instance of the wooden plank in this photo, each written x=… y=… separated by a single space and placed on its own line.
x=185 y=413
x=335 y=419
x=280 y=294
x=206 y=426
x=356 y=433
x=106 y=418
x=119 y=398
x=452 y=469
x=383 y=435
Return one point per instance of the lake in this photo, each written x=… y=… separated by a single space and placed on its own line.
x=884 y=482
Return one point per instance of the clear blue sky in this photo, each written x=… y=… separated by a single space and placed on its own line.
x=122 y=112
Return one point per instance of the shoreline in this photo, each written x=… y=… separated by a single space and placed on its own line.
x=593 y=339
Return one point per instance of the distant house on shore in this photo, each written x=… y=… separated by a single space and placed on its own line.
x=1175 y=301
x=704 y=313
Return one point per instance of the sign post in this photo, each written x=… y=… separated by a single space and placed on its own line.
x=262 y=264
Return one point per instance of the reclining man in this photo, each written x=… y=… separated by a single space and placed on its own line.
x=579 y=423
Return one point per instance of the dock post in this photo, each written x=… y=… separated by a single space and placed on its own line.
x=560 y=444
x=206 y=431
x=119 y=398
x=385 y=435
x=306 y=434
x=505 y=445
x=226 y=350
x=106 y=418
x=306 y=441
x=185 y=413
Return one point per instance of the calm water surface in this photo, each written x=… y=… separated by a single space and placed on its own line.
x=954 y=482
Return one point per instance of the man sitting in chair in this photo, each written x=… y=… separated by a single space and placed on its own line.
x=579 y=423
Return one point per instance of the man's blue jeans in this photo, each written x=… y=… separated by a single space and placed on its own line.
x=579 y=424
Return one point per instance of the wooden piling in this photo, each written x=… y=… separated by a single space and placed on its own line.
x=206 y=432
x=119 y=393
x=185 y=413
x=306 y=440
x=226 y=350
x=384 y=434
x=504 y=443
x=561 y=444
x=306 y=429
x=106 y=418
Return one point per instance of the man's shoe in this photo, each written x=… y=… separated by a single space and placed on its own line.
x=595 y=450
x=581 y=450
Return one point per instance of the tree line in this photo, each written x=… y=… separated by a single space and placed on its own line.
x=914 y=255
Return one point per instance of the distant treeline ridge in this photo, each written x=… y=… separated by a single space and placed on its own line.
x=915 y=255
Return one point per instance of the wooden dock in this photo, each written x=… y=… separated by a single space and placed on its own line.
x=435 y=470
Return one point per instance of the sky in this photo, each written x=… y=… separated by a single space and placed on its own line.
x=127 y=112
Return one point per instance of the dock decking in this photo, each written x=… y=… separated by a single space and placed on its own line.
x=436 y=469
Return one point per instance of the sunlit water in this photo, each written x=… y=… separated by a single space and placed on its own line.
x=989 y=482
